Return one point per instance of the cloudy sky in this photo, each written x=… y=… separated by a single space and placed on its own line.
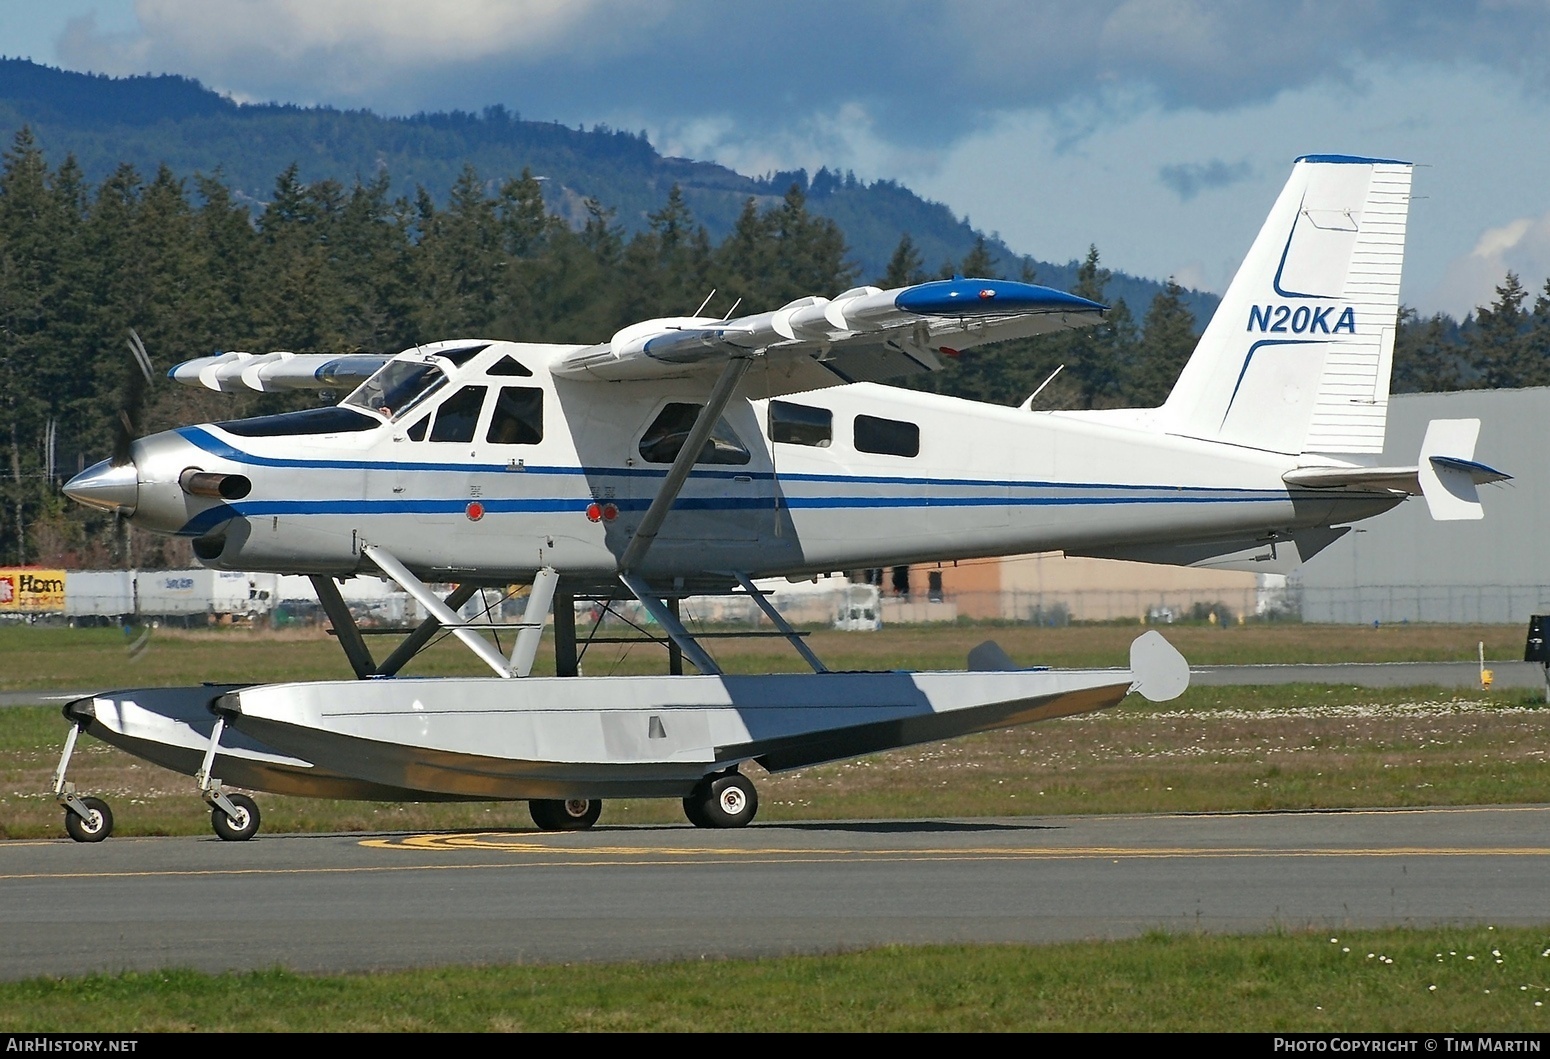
x=1159 y=130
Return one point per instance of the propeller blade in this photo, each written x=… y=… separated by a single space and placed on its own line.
x=136 y=383
x=142 y=358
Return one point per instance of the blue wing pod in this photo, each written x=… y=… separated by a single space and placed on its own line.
x=988 y=297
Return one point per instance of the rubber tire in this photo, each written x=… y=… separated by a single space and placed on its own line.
x=81 y=831
x=728 y=800
x=565 y=814
x=226 y=828
x=693 y=807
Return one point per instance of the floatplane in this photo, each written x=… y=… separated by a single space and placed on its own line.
x=693 y=455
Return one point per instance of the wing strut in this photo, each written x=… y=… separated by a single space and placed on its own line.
x=683 y=463
x=662 y=503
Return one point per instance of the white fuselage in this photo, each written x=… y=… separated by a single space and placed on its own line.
x=986 y=480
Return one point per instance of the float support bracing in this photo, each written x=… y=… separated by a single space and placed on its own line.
x=566 y=663
x=781 y=623
x=428 y=599
x=675 y=654
x=539 y=599
x=670 y=624
x=423 y=632
x=348 y=633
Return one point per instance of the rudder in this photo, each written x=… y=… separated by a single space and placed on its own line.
x=1298 y=356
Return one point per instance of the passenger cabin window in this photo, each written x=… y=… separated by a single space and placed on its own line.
x=890 y=437
x=510 y=366
x=458 y=415
x=670 y=429
x=800 y=424
x=518 y=418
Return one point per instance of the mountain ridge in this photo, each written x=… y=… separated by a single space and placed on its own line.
x=166 y=119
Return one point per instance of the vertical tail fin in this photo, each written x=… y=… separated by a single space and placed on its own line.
x=1297 y=357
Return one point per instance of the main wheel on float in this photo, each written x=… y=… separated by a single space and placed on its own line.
x=726 y=800
x=94 y=828
x=237 y=828
x=567 y=814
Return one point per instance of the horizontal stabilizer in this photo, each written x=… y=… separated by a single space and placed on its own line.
x=1448 y=473
x=1397 y=479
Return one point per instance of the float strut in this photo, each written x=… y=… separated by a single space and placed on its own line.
x=423 y=632
x=64 y=792
x=345 y=629
x=210 y=788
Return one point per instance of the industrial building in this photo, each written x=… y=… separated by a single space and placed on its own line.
x=1402 y=566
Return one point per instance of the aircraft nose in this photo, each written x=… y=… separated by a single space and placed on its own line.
x=104 y=486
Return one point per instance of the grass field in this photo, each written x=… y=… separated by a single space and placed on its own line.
x=1458 y=980
x=1223 y=748
x=43 y=657
x=1228 y=748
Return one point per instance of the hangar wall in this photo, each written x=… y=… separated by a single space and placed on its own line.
x=1402 y=566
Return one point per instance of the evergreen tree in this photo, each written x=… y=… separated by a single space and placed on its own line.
x=1497 y=346
x=1167 y=340
x=904 y=267
x=1426 y=357
x=979 y=262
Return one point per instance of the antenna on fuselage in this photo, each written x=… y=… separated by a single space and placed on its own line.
x=706 y=302
x=1027 y=405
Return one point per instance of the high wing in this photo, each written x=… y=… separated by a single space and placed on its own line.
x=267 y=372
x=862 y=335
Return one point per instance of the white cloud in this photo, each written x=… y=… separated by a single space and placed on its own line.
x=1521 y=246
x=345 y=51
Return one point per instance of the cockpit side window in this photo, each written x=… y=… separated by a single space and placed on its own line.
x=518 y=418
x=670 y=429
x=459 y=415
x=398 y=387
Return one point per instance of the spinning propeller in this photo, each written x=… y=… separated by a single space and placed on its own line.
x=137 y=384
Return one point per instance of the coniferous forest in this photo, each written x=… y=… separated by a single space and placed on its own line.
x=194 y=269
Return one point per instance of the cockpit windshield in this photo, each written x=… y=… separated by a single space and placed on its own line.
x=399 y=386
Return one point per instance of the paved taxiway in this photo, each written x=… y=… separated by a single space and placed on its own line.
x=352 y=902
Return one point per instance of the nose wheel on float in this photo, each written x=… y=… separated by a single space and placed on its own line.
x=86 y=819
x=234 y=817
